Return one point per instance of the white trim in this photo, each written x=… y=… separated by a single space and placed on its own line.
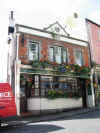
x=17 y=86
x=48 y=35
x=17 y=43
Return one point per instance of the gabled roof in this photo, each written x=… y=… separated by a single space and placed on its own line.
x=47 y=34
x=88 y=20
x=57 y=24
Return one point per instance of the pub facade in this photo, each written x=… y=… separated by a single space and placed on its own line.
x=49 y=70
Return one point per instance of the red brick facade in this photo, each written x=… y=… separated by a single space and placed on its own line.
x=94 y=38
x=45 y=42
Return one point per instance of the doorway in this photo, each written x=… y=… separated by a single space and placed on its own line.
x=84 y=96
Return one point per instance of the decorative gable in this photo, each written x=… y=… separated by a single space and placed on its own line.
x=57 y=29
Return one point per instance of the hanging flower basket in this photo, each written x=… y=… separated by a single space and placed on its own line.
x=74 y=69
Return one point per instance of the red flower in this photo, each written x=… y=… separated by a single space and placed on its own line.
x=54 y=63
x=42 y=60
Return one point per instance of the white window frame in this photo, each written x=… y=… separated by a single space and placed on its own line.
x=81 y=61
x=54 y=58
x=29 y=50
x=58 y=54
x=51 y=55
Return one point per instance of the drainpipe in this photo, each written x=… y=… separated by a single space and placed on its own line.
x=17 y=76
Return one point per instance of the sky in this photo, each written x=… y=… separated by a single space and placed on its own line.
x=41 y=13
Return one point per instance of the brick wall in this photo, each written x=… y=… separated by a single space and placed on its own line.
x=94 y=35
x=45 y=43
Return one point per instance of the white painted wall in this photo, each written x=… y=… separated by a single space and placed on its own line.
x=47 y=104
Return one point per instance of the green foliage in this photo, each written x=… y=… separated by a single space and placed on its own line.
x=41 y=64
x=85 y=69
x=75 y=67
x=63 y=68
x=22 y=77
x=36 y=64
x=45 y=64
x=52 y=94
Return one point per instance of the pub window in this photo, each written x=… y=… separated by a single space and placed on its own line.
x=46 y=84
x=33 y=50
x=78 y=57
x=64 y=55
x=64 y=84
x=29 y=86
x=58 y=54
x=51 y=54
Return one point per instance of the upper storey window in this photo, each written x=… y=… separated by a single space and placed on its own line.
x=58 y=54
x=78 y=57
x=33 y=50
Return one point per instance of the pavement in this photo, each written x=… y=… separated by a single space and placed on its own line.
x=20 y=121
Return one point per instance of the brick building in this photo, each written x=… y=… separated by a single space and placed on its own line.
x=94 y=44
x=47 y=69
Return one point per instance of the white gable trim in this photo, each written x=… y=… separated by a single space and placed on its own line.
x=42 y=33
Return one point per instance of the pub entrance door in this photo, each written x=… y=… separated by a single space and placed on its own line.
x=84 y=96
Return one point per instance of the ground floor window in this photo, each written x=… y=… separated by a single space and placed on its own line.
x=39 y=85
x=62 y=84
x=29 y=85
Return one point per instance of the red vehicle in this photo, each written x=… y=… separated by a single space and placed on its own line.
x=7 y=102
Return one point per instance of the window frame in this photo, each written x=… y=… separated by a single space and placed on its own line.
x=37 y=43
x=62 y=58
x=53 y=55
x=72 y=85
x=82 y=59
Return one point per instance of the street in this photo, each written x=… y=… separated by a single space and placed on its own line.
x=83 y=123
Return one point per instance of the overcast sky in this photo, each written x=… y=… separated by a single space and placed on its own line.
x=41 y=13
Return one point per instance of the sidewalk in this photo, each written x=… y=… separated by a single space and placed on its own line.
x=25 y=120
